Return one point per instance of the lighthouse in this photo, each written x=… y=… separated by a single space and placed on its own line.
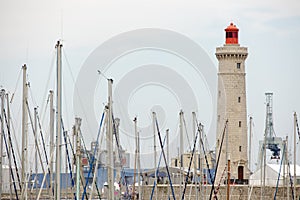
x=232 y=107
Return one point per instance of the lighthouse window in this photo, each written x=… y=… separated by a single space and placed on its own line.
x=239 y=99
x=240 y=124
x=240 y=148
x=234 y=34
x=228 y=34
x=238 y=65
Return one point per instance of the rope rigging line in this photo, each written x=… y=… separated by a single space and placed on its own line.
x=69 y=162
x=73 y=153
x=213 y=183
x=65 y=106
x=32 y=97
x=189 y=169
x=219 y=184
x=43 y=141
x=297 y=128
x=96 y=165
x=46 y=106
x=10 y=168
x=12 y=150
x=13 y=94
x=291 y=181
x=50 y=73
x=15 y=138
x=277 y=183
x=44 y=178
x=157 y=170
x=36 y=142
x=186 y=132
x=121 y=107
x=200 y=127
x=93 y=156
x=164 y=156
x=76 y=90
x=119 y=154
x=81 y=179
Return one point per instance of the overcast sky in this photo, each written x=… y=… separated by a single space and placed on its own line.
x=270 y=29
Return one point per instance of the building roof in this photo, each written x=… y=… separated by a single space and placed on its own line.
x=273 y=169
x=276 y=167
x=231 y=27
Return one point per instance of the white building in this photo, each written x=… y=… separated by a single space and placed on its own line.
x=272 y=171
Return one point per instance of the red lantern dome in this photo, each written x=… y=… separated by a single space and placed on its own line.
x=232 y=34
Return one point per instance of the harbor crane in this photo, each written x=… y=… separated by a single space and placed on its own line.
x=271 y=142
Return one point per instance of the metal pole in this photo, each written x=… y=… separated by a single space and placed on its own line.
x=78 y=156
x=118 y=155
x=139 y=163
x=263 y=166
x=109 y=143
x=135 y=159
x=9 y=146
x=66 y=168
x=200 y=161
x=154 y=146
x=181 y=149
x=228 y=164
x=228 y=179
x=74 y=143
x=250 y=143
x=2 y=93
x=249 y=152
x=24 y=131
x=168 y=154
x=288 y=169
x=58 y=121
x=295 y=149
x=195 y=154
x=284 y=163
x=51 y=142
x=36 y=156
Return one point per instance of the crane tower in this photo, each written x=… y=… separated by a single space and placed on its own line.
x=271 y=142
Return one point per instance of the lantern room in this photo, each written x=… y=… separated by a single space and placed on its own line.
x=232 y=34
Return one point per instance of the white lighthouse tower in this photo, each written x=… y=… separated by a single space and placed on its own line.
x=232 y=107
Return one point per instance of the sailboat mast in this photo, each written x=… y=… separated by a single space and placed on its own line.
x=58 y=121
x=138 y=161
x=2 y=93
x=285 y=156
x=228 y=164
x=250 y=142
x=201 y=180
x=135 y=159
x=24 y=129
x=168 y=154
x=118 y=156
x=51 y=140
x=228 y=178
x=9 y=146
x=78 y=148
x=154 y=146
x=181 y=149
x=36 y=151
x=109 y=144
x=295 y=149
x=195 y=154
